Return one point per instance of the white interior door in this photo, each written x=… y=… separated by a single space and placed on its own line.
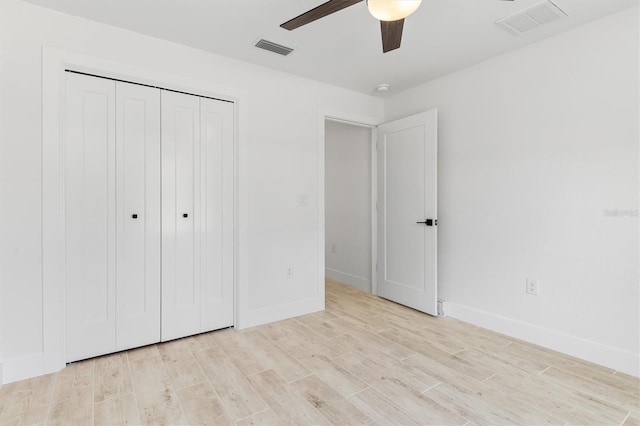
x=181 y=269
x=90 y=208
x=216 y=213
x=138 y=215
x=407 y=211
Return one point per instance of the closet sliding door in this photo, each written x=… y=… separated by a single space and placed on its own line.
x=112 y=216
x=90 y=216
x=137 y=215
x=149 y=212
x=181 y=307
x=197 y=215
x=217 y=134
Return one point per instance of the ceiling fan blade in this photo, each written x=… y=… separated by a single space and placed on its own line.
x=391 y=34
x=316 y=13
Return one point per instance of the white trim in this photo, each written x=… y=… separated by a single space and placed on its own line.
x=344 y=277
x=608 y=356
x=349 y=122
x=25 y=367
x=327 y=114
x=374 y=211
x=54 y=63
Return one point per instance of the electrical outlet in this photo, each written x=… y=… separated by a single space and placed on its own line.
x=532 y=286
x=289 y=272
x=333 y=248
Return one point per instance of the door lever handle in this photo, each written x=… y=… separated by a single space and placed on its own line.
x=430 y=222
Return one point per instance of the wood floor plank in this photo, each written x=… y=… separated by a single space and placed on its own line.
x=335 y=375
x=514 y=409
x=599 y=390
x=238 y=397
x=300 y=341
x=202 y=406
x=121 y=410
x=471 y=335
x=468 y=406
x=253 y=352
x=112 y=377
x=370 y=366
x=235 y=344
x=373 y=324
x=381 y=409
x=376 y=342
x=290 y=407
x=147 y=371
x=416 y=405
x=632 y=420
x=28 y=402
x=498 y=356
x=144 y=352
x=266 y=417
x=158 y=404
x=155 y=396
x=330 y=403
x=182 y=368
x=322 y=326
x=72 y=401
x=273 y=357
x=497 y=363
x=438 y=357
x=568 y=404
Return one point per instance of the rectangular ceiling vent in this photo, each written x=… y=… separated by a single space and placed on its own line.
x=531 y=18
x=273 y=47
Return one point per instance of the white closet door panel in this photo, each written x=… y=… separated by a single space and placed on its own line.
x=217 y=134
x=138 y=215
x=180 y=210
x=90 y=216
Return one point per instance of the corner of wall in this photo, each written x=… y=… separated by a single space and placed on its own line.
x=253 y=318
x=353 y=280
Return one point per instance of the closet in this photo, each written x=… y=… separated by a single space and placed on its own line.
x=148 y=215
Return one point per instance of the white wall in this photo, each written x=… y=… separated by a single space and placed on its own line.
x=534 y=148
x=348 y=203
x=280 y=158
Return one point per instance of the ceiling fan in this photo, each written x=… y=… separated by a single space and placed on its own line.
x=391 y=14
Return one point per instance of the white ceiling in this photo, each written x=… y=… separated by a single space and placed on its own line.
x=343 y=49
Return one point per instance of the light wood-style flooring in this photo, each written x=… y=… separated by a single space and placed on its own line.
x=363 y=360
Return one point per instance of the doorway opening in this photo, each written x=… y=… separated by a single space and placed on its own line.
x=349 y=151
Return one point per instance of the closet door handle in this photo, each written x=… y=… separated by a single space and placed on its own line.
x=134 y=216
x=185 y=215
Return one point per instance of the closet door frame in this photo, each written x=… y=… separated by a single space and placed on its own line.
x=55 y=62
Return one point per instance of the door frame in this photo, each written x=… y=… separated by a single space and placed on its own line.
x=51 y=355
x=354 y=120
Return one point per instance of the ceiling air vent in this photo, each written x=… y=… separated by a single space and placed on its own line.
x=273 y=47
x=531 y=17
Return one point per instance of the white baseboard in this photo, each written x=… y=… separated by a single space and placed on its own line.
x=588 y=350
x=26 y=367
x=276 y=313
x=354 y=280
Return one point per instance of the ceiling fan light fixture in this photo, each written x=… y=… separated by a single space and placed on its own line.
x=392 y=10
